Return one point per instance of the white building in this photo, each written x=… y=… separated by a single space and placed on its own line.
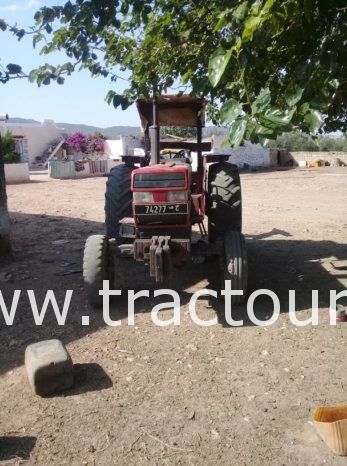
x=33 y=139
x=125 y=145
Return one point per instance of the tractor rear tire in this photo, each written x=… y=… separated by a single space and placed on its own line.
x=234 y=265
x=118 y=198
x=96 y=268
x=224 y=206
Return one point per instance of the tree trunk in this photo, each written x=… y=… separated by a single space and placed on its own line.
x=5 y=245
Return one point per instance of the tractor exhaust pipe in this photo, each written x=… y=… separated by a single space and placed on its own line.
x=154 y=133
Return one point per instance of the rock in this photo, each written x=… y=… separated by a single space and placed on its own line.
x=49 y=367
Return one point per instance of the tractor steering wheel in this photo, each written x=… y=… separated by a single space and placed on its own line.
x=179 y=155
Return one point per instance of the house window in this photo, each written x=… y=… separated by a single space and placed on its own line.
x=21 y=148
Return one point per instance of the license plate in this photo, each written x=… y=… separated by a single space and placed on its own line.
x=154 y=209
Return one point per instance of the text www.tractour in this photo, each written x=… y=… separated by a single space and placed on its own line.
x=39 y=312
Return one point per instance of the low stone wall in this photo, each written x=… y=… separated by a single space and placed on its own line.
x=311 y=157
x=60 y=170
x=16 y=173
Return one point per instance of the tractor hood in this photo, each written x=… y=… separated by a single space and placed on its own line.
x=173 y=110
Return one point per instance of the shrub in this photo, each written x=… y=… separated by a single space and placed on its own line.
x=94 y=144
x=10 y=154
x=78 y=142
x=87 y=144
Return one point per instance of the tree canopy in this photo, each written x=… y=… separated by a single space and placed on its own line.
x=265 y=66
x=299 y=141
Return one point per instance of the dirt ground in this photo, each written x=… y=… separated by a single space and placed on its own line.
x=184 y=395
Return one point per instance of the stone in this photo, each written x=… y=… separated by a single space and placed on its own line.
x=49 y=367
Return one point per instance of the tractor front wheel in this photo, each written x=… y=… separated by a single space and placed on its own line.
x=118 y=198
x=224 y=207
x=234 y=264
x=97 y=267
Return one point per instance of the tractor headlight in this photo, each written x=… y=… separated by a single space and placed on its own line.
x=177 y=196
x=142 y=198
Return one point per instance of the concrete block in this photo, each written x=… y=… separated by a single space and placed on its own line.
x=16 y=173
x=49 y=367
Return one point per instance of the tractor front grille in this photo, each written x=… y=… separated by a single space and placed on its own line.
x=159 y=180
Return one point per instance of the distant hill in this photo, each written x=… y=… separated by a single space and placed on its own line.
x=22 y=120
x=112 y=132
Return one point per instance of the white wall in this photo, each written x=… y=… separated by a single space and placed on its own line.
x=130 y=143
x=16 y=173
x=254 y=155
x=38 y=136
x=114 y=148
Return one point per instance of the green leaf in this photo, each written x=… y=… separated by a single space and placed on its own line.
x=250 y=129
x=37 y=38
x=186 y=77
x=230 y=110
x=267 y=7
x=222 y=22
x=313 y=119
x=33 y=75
x=13 y=69
x=117 y=100
x=255 y=7
x=319 y=103
x=125 y=103
x=266 y=132
x=241 y=11
x=304 y=108
x=217 y=65
x=275 y=118
x=198 y=87
x=237 y=131
x=293 y=94
x=262 y=101
x=251 y=24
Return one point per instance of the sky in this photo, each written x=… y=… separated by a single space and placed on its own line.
x=79 y=100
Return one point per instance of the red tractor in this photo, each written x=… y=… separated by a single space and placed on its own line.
x=153 y=202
